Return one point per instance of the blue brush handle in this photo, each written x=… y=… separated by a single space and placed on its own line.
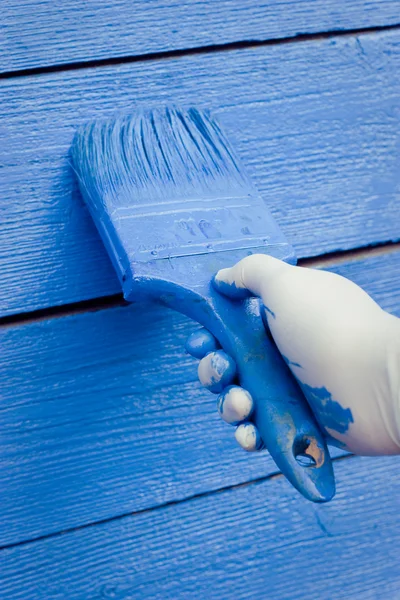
x=282 y=415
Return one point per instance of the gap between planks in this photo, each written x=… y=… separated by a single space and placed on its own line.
x=55 y=312
x=230 y=46
x=222 y=490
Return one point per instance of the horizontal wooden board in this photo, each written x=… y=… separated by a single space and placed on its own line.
x=40 y=34
x=315 y=123
x=257 y=541
x=100 y=415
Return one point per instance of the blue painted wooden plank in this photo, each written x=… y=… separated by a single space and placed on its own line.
x=256 y=541
x=316 y=124
x=37 y=33
x=101 y=416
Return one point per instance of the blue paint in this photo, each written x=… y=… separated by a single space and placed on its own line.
x=329 y=413
x=224 y=371
x=291 y=363
x=140 y=176
x=248 y=429
x=221 y=400
x=76 y=31
x=115 y=400
x=139 y=211
x=269 y=311
x=61 y=258
x=200 y=343
x=231 y=289
x=331 y=441
x=221 y=404
x=195 y=549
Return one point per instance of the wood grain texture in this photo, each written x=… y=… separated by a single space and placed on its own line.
x=315 y=123
x=101 y=415
x=37 y=33
x=257 y=541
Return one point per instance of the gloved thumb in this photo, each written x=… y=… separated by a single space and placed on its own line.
x=249 y=277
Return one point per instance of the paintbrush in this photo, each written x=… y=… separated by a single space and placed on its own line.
x=173 y=206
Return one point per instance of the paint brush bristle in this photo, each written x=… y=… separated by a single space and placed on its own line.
x=163 y=184
x=153 y=155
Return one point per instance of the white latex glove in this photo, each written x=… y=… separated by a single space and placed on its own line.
x=342 y=348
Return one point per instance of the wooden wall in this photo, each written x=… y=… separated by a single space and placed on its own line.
x=117 y=478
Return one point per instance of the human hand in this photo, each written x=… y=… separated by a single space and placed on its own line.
x=341 y=347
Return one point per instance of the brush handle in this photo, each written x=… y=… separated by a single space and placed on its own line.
x=282 y=415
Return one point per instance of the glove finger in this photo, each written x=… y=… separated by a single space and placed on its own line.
x=249 y=277
x=248 y=437
x=235 y=405
x=200 y=343
x=216 y=371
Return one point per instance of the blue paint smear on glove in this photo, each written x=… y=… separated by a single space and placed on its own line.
x=329 y=413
